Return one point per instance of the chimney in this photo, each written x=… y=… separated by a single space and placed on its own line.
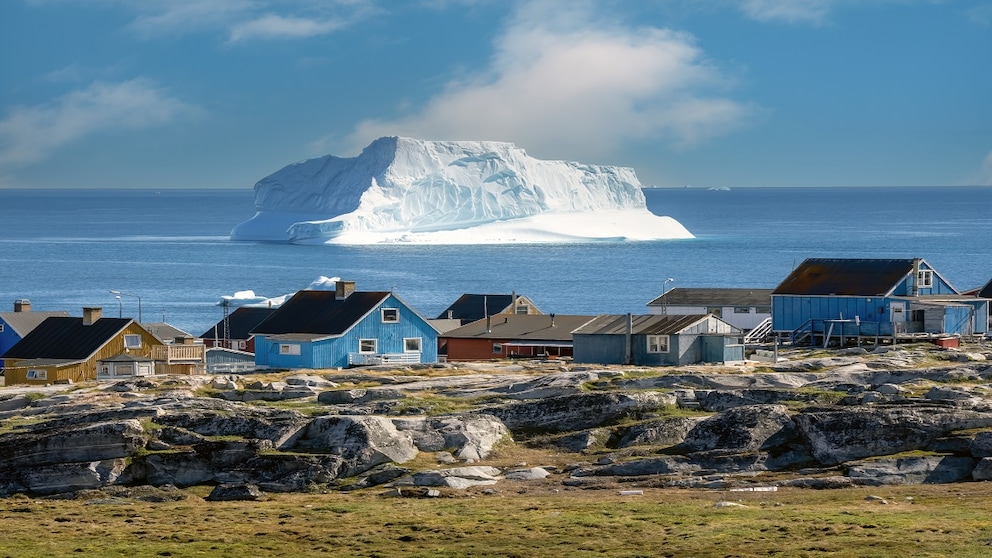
x=916 y=277
x=91 y=314
x=22 y=305
x=552 y=319
x=343 y=288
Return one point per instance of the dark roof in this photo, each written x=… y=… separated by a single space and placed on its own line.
x=240 y=323
x=61 y=337
x=319 y=313
x=860 y=277
x=986 y=291
x=714 y=297
x=471 y=307
x=650 y=324
x=533 y=327
x=23 y=322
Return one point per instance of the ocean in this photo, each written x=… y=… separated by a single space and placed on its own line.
x=65 y=249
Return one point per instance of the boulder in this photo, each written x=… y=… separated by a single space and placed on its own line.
x=362 y=442
x=457 y=477
x=983 y=470
x=469 y=437
x=67 y=477
x=87 y=443
x=911 y=470
x=236 y=492
x=748 y=428
x=580 y=411
x=667 y=431
x=836 y=436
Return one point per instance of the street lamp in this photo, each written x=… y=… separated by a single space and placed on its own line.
x=120 y=307
x=118 y=293
x=664 y=291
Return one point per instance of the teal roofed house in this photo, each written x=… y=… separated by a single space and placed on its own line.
x=826 y=298
x=341 y=328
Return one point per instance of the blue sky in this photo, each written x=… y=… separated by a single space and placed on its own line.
x=218 y=94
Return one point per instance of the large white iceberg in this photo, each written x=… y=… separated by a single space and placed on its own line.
x=450 y=192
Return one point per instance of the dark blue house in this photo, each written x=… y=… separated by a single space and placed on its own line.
x=344 y=327
x=873 y=298
x=15 y=325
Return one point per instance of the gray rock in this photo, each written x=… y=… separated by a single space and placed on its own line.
x=14 y=402
x=87 y=443
x=362 y=442
x=236 y=492
x=743 y=429
x=981 y=445
x=667 y=431
x=578 y=412
x=310 y=381
x=889 y=389
x=458 y=477
x=911 y=470
x=983 y=470
x=341 y=396
x=531 y=473
x=67 y=477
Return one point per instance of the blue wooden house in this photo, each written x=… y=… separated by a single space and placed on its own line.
x=15 y=325
x=893 y=298
x=344 y=327
x=651 y=340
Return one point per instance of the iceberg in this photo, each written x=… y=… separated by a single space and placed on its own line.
x=404 y=190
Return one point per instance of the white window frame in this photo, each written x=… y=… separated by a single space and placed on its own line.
x=393 y=320
x=497 y=348
x=406 y=344
x=363 y=349
x=656 y=342
x=924 y=279
x=37 y=374
x=132 y=341
x=242 y=345
x=289 y=349
x=522 y=309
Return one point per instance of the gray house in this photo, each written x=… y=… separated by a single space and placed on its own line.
x=742 y=308
x=656 y=340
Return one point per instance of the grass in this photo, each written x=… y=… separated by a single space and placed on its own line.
x=519 y=520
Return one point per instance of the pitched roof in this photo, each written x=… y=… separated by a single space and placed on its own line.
x=23 y=322
x=650 y=324
x=986 y=291
x=864 y=277
x=319 y=313
x=470 y=307
x=533 y=327
x=681 y=296
x=240 y=323
x=164 y=332
x=63 y=337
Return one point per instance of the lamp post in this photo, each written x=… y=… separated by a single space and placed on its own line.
x=119 y=293
x=664 y=291
x=120 y=307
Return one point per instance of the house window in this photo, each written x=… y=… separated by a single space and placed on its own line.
x=289 y=349
x=715 y=310
x=104 y=370
x=657 y=343
x=523 y=309
x=390 y=315
x=242 y=345
x=35 y=374
x=411 y=345
x=763 y=309
x=497 y=348
x=368 y=346
x=742 y=310
x=124 y=370
x=924 y=278
x=1 y=328
x=132 y=341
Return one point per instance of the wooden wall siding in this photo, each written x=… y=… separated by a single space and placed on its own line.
x=790 y=312
x=474 y=349
x=905 y=287
x=86 y=370
x=333 y=352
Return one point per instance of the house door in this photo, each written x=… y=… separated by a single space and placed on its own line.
x=897 y=311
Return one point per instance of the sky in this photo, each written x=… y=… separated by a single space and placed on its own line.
x=708 y=93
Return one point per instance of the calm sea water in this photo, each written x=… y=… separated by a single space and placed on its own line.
x=66 y=249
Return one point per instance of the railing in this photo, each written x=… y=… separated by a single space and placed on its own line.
x=760 y=332
x=801 y=332
x=178 y=353
x=365 y=359
x=229 y=367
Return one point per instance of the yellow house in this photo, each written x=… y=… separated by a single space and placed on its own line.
x=66 y=349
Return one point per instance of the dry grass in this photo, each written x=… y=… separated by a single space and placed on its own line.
x=520 y=519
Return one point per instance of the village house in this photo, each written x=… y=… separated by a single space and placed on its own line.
x=15 y=325
x=513 y=336
x=64 y=349
x=344 y=327
x=234 y=331
x=744 y=308
x=826 y=298
x=655 y=339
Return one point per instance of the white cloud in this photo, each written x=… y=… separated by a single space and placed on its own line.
x=568 y=81
x=30 y=134
x=273 y=26
x=791 y=11
x=982 y=15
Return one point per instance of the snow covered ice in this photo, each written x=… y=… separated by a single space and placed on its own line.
x=403 y=190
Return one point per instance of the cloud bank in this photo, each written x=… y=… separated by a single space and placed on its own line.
x=29 y=134
x=565 y=79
